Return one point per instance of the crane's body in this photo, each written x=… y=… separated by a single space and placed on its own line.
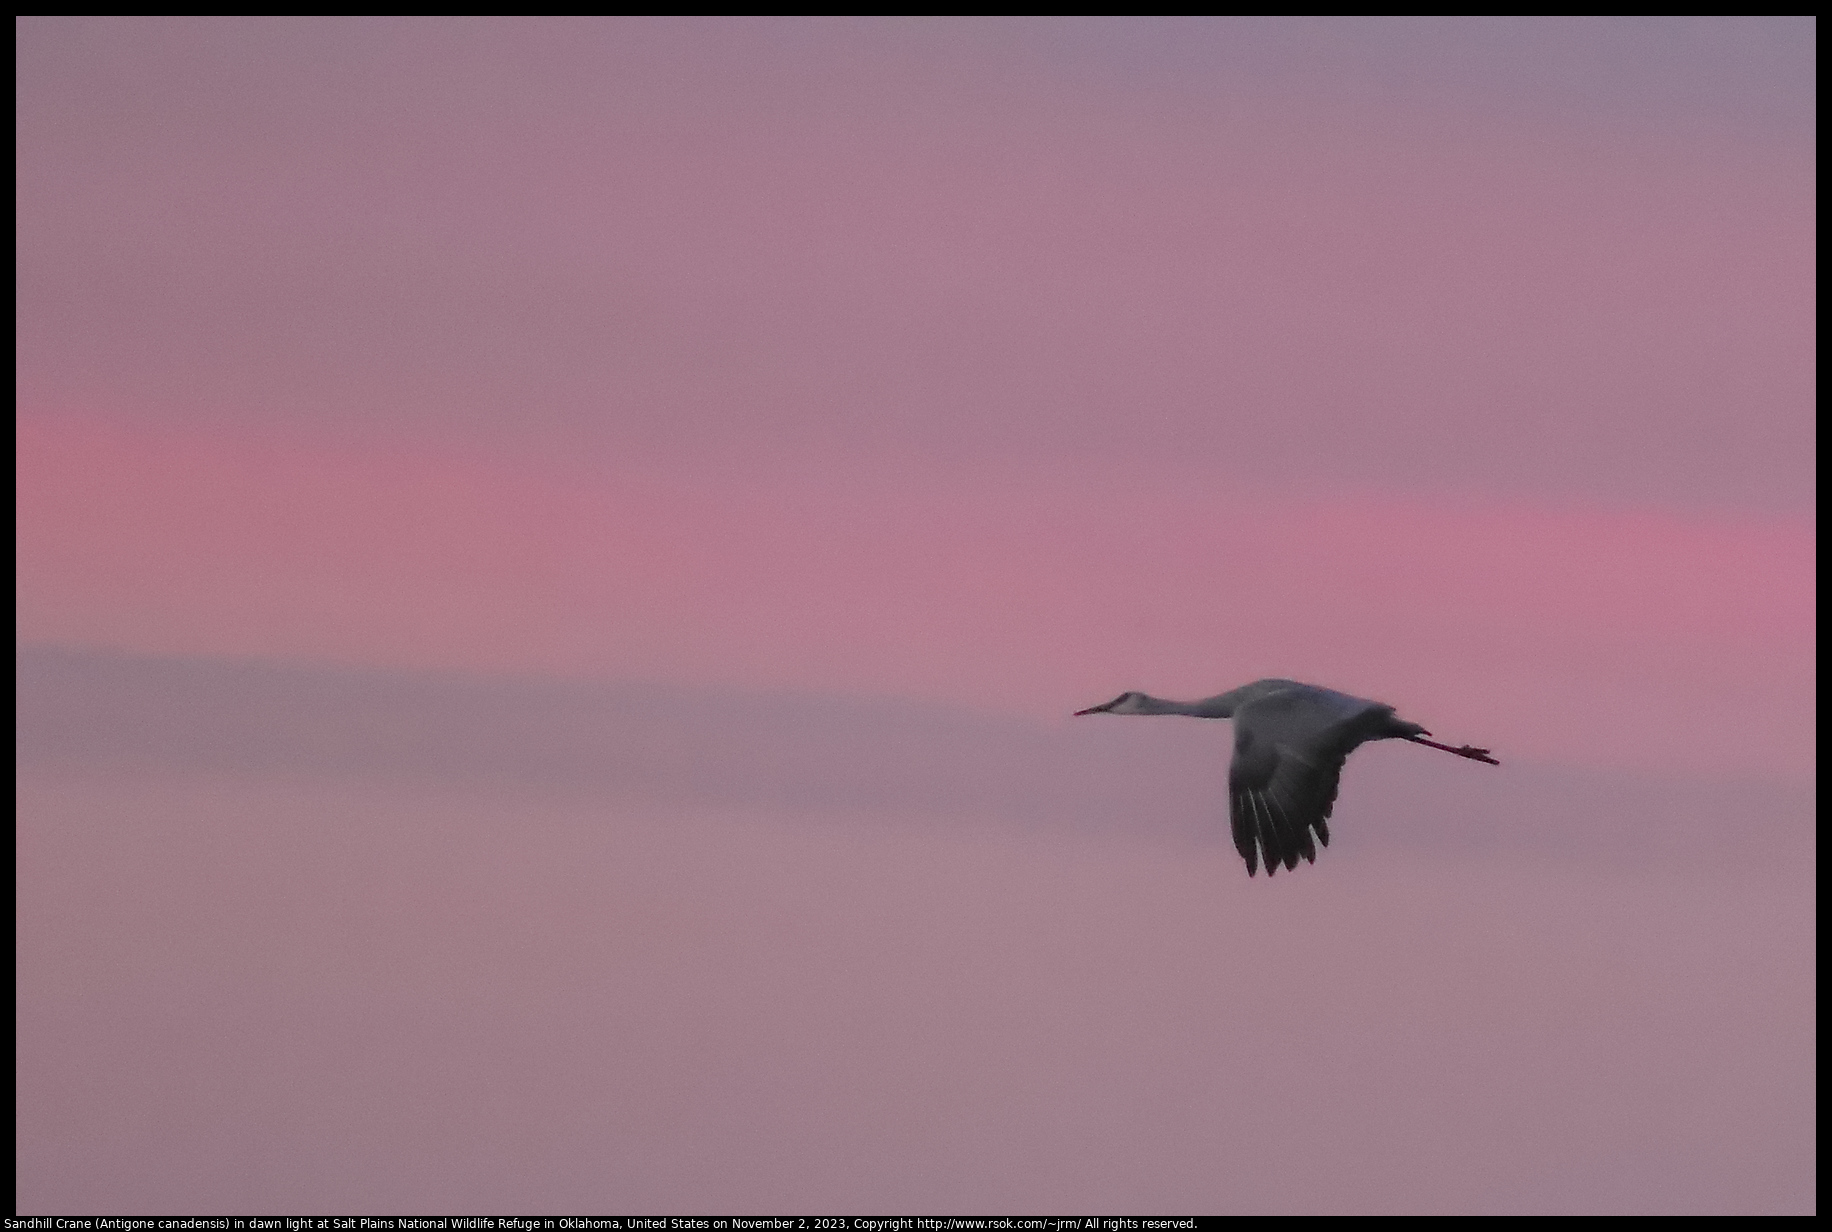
x=1290 y=741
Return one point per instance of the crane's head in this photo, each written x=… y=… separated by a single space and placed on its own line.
x=1125 y=703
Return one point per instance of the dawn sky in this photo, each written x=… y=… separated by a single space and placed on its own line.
x=981 y=367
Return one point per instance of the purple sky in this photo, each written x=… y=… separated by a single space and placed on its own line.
x=841 y=403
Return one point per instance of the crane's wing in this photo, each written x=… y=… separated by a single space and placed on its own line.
x=1289 y=748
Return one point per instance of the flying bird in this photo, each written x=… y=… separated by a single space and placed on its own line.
x=1290 y=741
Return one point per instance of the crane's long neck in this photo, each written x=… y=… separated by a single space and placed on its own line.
x=1218 y=707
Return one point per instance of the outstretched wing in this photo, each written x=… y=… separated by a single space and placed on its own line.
x=1280 y=807
x=1289 y=748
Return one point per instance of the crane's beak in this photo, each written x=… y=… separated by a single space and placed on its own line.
x=1102 y=709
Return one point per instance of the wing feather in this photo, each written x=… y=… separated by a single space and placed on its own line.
x=1294 y=823
x=1290 y=845
x=1275 y=826
x=1246 y=833
x=1270 y=849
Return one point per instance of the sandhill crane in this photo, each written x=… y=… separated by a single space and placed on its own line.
x=1290 y=741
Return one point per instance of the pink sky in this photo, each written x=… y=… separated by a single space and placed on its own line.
x=999 y=365
x=1578 y=633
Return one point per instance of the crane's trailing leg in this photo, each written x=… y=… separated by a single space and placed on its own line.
x=1468 y=750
